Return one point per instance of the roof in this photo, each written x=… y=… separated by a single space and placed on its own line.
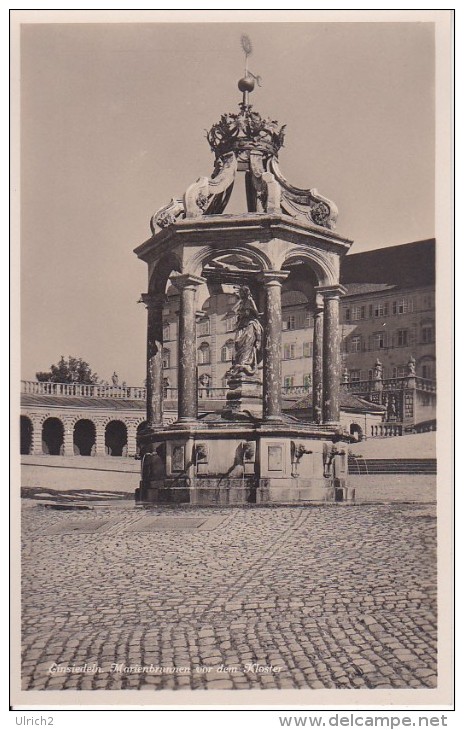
x=348 y=402
x=407 y=265
x=355 y=289
x=293 y=297
x=56 y=401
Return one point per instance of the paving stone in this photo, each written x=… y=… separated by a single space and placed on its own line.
x=335 y=598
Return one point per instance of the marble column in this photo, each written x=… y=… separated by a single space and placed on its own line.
x=331 y=353
x=154 y=304
x=318 y=358
x=272 y=345
x=187 y=349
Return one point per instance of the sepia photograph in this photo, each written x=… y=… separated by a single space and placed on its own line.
x=234 y=358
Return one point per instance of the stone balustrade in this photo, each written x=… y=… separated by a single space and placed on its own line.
x=383 y=430
x=33 y=387
x=391 y=384
x=83 y=390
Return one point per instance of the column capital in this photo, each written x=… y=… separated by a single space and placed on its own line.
x=273 y=278
x=153 y=299
x=332 y=291
x=187 y=281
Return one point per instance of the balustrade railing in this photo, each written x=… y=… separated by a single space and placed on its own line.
x=429 y=386
x=83 y=390
x=296 y=390
x=390 y=384
x=382 y=430
x=33 y=387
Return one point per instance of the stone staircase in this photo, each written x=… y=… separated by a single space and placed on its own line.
x=360 y=466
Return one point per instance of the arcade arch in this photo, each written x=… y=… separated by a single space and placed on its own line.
x=84 y=437
x=52 y=436
x=26 y=430
x=115 y=438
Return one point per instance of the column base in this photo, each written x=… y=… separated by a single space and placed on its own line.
x=184 y=423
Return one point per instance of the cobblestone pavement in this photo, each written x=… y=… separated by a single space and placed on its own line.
x=172 y=598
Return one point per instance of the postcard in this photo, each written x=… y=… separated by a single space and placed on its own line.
x=231 y=257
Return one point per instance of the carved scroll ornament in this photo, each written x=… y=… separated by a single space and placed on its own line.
x=306 y=204
x=206 y=196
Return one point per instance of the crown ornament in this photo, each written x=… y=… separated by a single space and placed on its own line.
x=244 y=132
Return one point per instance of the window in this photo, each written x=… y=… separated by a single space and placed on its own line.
x=166 y=332
x=166 y=386
x=381 y=310
x=358 y=313
x=399 y=371
x=308 y=321
x=289 y=352
x=306 y=381
x=427 y=369
x=427 y=334
x=204 y=354
x=288 y=381
x=427 y=301
x=355 y=376
x=379 y=341
x=289 y=323
x=204 y=383
x=231 y=321
x=203 y=327
x=166 y=358
x=402 y=338
x=355 y=344
x=347 y=315
x=227 y=351
x=307 y=349
x=370 y=374
x=402 y=306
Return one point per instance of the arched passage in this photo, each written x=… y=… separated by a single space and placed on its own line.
x=140 y=428
x=84 y=437
x=52 y=436
x=115 y=438
x=356 y=431
x=25 y=435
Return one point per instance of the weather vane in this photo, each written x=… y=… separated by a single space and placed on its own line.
x=248 y=50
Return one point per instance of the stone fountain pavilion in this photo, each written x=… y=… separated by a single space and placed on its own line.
x=250 y=452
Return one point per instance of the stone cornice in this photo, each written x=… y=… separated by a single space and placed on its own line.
x=249 y=227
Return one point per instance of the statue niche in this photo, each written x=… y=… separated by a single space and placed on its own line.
x=248 y=336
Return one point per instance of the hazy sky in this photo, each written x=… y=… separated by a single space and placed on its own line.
x=113 y=126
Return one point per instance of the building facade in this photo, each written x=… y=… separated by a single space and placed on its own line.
x=388 y=312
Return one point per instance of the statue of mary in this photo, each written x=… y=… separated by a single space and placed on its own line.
x=248 y=336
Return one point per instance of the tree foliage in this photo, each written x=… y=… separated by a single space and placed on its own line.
x=69 y=370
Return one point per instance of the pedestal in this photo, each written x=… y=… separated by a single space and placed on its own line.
x=243 y=395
